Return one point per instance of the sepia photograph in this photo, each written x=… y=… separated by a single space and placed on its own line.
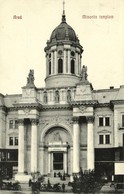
x=61 y=96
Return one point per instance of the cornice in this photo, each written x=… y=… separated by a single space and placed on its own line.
x=113 y=102
x=22 y=106
x=4 y=108
x=56 y=107
x=85 y=102
x=102 y=105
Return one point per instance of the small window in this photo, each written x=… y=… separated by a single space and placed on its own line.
x=107 y=139
x=16 y=124
x=101 y=140
x=107 y=121
x=100 y=121
x=11 y=124
x=11 y=141
x=16 y=140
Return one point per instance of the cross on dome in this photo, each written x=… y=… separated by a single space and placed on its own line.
x=63 y=15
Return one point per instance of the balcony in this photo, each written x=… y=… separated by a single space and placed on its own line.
x=120 y=126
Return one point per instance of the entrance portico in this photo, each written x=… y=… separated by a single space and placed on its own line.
x=57 y=157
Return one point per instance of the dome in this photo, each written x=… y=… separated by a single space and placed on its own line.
x=63 y=32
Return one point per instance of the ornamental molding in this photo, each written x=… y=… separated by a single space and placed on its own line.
x=90 y=119
x=21 y=122
x=56 y=120
x=34 y=121
x=84 y=103
x=82 y=108
x=102 y=105
x=104 y=131
x=75 y=120
x=27 y=106
x=13 y=134
x=56 y=107
x=113 y=102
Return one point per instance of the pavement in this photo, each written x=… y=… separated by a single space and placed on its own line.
x=106 y=189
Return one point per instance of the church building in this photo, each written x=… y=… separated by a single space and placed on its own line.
x=65 y=126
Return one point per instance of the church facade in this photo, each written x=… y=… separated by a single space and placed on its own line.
x=65 y=126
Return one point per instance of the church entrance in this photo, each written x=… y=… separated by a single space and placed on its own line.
x=58 y=161
x=57 y=151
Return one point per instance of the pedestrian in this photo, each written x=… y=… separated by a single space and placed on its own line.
x=33 y=186
x=63 y=187
x=30 y=182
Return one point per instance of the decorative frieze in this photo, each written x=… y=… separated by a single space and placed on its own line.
x=56 y=120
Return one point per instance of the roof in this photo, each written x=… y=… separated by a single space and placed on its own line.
x=63 y=32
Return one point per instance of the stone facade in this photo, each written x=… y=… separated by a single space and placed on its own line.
x=66 y=125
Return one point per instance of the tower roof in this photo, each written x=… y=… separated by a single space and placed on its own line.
x=63 y=32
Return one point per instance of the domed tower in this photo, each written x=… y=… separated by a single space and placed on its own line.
x=63 y=56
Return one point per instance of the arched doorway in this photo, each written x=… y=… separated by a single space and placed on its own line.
x=57 y=148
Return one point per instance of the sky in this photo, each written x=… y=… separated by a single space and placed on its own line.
x=22 y=41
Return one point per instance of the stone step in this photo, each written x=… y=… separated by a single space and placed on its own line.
x=25 y=187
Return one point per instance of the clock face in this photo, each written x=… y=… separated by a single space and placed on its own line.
x=60 y=52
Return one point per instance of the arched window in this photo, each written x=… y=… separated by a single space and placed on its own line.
x=72 y=66
x=56 y=96
x=68 y=96
x=49 y=67
x=60 y=66
x=45 y=97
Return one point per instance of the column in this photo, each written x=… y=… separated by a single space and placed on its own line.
x=34 y=146
x=55 y=62
x=79 y=61
x=21 y=150
x=41 y=159
x=76 y=145
x=47 y=65
x=64 y=64
x=77 y=64
x=52 y=62
x=90 y=143
x=68 y=61
x=80 y=64
x=65 y=162
x=49 y=162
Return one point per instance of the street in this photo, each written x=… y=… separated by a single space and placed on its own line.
x=27 y=192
